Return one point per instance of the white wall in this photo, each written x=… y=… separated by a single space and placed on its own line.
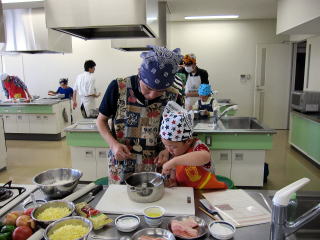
x=225 y=49
x=292 y=13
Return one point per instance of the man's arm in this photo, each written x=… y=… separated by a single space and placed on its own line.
x=120 y=151
x=74 y=99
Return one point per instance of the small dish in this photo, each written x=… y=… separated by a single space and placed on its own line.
x=153 y=215
x=222 y=230
x=127 y=222
x=201 y=228
x=155 y=233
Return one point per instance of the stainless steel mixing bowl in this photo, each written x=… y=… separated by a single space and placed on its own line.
x=74 y=220
x=51 y=204
x=58 y=183
x=140 y=189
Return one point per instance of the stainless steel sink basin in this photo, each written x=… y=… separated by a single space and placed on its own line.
x=241 y=123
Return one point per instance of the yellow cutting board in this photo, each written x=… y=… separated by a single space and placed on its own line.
x=175 y=200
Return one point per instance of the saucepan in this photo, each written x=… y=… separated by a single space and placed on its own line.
x=142 y=188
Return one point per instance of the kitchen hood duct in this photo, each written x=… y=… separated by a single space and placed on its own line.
x=2 y=31
x=26 y=32
x=103 y=19
x=140 y=44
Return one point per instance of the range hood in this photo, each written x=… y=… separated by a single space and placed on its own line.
x=26 y=32
x=140 y=44
x=101 y=19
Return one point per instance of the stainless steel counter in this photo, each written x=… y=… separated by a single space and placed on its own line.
x=34 y=102
x=254 y=232
x=311 y=116
x=231 y=125
x=87 y=125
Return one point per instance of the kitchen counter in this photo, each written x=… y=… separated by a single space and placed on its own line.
x=254 y=232
x=36 y=102
x=310 y=116
x=304 y=134
x=42 y=119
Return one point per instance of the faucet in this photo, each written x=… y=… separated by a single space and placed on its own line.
x=280 y=226
x=217 y=116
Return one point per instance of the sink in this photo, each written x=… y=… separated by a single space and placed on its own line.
x=241 y=123
x=311 y=230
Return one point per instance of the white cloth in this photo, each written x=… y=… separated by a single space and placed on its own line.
x=85 y=86
x=192 y=84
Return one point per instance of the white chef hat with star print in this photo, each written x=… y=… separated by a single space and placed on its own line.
x=177 y=123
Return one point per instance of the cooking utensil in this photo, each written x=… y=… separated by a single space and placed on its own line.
x=56 y=203
x=140 y=189
x=210 y=215
x=211 y=209
x=59 y=182
x=154 y=232
x=74 y=220
x=202 y=226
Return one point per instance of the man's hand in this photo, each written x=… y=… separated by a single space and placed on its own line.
x=121 y=152
x=74 y=106
x=162 y=157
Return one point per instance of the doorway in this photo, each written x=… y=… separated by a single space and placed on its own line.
x=272 y=84
x=298 y=66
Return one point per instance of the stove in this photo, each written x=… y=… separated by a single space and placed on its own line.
x=12 y=194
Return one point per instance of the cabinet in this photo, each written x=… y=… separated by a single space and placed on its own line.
x=91 y=161
x=243 y=167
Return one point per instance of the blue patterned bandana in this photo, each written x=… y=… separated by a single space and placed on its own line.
x=159 y=67
x=204 y=90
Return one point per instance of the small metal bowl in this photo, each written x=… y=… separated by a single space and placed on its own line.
x=74 y=220
x=154 y=232
x=58 y=183
x=57 y=203
x=202 y=228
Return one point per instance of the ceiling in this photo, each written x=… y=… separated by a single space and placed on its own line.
x=246 y=9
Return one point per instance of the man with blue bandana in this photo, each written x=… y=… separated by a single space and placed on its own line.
x=135 y=105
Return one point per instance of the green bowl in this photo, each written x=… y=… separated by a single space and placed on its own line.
x=226 y=180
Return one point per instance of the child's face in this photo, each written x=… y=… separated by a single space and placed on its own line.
x=176 y=148
x=63 y=85
x=203 y=98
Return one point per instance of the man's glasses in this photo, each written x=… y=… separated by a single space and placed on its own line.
x=188 y=64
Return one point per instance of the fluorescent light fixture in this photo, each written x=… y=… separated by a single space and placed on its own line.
x=212 y=17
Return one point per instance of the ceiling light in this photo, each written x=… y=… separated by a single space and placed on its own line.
x=212 y=17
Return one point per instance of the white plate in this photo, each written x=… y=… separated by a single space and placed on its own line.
x=202 y=228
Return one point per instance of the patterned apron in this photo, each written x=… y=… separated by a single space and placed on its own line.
x=136 y=125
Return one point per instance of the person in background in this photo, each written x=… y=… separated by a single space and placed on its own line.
x=63 y=89
x=194 y=77
x=13 y=87
x=206 y=101
x=191 y=159
x=85 y=87
x=135 y=105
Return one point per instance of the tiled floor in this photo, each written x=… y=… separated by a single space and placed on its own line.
x=27 y=158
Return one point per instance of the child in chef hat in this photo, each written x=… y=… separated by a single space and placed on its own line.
x=191 y=158
x=206 y=101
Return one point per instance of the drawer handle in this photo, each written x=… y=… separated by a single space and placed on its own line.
x=89 y=154
x=103 y=154
x=208 y=140
x=239 y=156
x=224 y=156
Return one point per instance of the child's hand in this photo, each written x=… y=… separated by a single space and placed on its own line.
x=162 y=157
x=168 y=166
